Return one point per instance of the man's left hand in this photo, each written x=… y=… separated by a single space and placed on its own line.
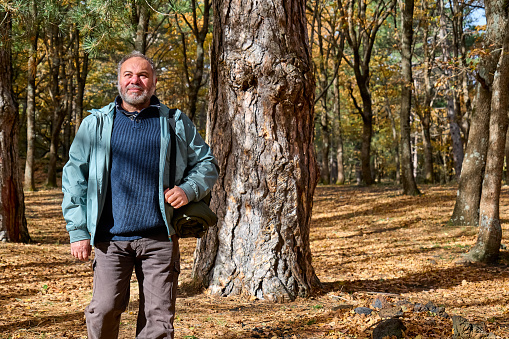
x=176 y=197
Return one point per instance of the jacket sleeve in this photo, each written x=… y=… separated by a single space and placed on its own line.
x=202 y=168
x=75 y=184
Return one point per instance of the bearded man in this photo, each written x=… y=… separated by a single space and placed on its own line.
x=117 y=198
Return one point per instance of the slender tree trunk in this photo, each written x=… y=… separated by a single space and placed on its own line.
x=487 y=247
x=324 y=126
x=13 y=224
x=407 y=168
x=261 y=130
x=360 y=31
x=455 y=131
x=452 y=96
x=323 y=81
x=69 y=105
x=506 y=179
x=141 y=22
x=59 y=111
x=81 y=79
x=395 y=139
x=466 y=209
x=29 y=183
x=339 y=134
x=194 y=76
x=425 y=112
x=428 y=151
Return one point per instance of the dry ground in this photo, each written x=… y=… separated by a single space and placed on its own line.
x=366 y=243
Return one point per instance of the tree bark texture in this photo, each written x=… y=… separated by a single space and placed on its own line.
x=260 y=126
x=466 y=208
x=407 y=168
x=33 y=32
x=13 y=224
x=487 y=247
x=141 y=21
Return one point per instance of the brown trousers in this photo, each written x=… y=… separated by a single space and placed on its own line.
x=156 y=261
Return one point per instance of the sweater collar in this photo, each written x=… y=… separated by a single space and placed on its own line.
x=154 y=103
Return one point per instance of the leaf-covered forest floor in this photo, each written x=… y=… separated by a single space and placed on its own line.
x=366 y=243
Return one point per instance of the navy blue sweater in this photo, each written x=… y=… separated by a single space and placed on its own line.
x=132 y=208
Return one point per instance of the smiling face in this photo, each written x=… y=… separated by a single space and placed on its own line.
x=136 y=84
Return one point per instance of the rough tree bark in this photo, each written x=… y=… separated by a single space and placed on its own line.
x=487 y=247
x=466 y=208
x=407 y=168
x=260 y=126
x=13 y=224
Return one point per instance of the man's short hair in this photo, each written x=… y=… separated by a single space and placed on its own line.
x=136 y=54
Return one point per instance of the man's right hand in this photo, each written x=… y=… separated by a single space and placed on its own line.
x=81 y=249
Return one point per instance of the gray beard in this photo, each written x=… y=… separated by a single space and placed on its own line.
x=135 y=100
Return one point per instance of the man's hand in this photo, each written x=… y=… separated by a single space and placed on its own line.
x=176 y=197
x=81 y=249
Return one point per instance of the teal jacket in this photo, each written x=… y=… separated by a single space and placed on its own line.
x=85 y=176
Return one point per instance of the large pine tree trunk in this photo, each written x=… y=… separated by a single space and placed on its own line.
x=407 y=168
x=487 y=247
x=261 y=130
x=13 y=225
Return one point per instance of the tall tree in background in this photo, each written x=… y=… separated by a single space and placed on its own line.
x=466 y=208
x=452 y=96
x=424 y=97
x=261 y=129
x=194 y=75
x=487 y=247
x=407 y=168
x=140 y=20
x=33 y=37
x=329 y=46
x=360 y=26
x=81 y=64
x=13 y=224
x=55 y=48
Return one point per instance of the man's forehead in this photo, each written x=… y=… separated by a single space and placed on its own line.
x=136 y=63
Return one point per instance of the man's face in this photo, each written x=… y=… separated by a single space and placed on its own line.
x=136 y=83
